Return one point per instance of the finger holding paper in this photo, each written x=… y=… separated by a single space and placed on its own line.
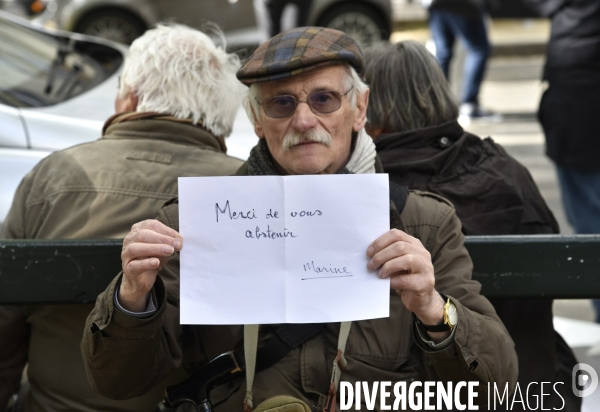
x=405 y=260
x=146 y=249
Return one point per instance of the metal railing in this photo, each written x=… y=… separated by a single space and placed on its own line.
x=76 y=271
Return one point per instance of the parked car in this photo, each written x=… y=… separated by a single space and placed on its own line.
x=24 y=7
x=56 y=91
x=123 y=21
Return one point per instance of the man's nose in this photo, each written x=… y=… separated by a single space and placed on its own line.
x=304 y=119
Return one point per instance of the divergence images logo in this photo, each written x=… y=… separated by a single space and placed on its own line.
x=585 y=380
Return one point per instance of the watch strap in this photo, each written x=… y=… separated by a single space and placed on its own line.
x=443 y=327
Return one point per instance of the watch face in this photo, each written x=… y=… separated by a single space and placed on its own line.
x=452 y=314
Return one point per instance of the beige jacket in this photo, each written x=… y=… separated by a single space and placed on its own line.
x=126 y=356
x=94 y=190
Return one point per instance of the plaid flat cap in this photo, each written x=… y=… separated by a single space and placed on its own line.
x=299 y=50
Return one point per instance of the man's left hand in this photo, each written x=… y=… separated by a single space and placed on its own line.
x=407 y=263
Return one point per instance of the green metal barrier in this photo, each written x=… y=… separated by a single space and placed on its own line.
x=553 y=266
x=76 y=271
x=56 y=271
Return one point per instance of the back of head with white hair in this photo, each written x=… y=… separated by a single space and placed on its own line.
x=180 y=71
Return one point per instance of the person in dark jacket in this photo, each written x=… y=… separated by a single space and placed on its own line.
x=462 y=19
x=570 y=106
x=412 y=118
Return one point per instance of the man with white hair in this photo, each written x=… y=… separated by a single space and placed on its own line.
x=177 y=101
x=308 y=105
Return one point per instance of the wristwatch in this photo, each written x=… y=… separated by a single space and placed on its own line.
x=450 y=319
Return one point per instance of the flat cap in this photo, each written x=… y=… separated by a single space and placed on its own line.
x=299 y=50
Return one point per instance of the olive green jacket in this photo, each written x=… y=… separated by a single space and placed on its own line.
x=125 y=356
x=93 y=190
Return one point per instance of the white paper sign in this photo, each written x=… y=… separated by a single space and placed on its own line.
x=281 y=249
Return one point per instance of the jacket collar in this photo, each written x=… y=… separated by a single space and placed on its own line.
x=160 y=126
x=429 y=151
x=428 y=136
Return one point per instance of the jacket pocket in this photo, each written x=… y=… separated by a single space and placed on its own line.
x=383 y=343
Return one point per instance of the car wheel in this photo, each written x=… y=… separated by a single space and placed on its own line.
x=115 y=25
x=365 y=24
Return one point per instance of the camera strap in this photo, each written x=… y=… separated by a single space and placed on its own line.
x=287 y=336
x=250 y=351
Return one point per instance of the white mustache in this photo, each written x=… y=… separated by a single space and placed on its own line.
x=313 y=135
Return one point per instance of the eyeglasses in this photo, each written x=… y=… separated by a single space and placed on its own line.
x=321 y=102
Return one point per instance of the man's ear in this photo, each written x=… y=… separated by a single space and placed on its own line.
x=361 y=111
x=127 y=103
x=258 y=129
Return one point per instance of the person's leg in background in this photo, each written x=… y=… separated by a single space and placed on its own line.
x=274 y=12
x=581 y=199
x=445 y=27
x=474 y=34
x=440 y=25
x=303 y=12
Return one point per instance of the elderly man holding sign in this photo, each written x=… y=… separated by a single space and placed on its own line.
x=308 y=105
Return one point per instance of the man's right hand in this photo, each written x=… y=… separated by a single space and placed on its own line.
x=146 y=249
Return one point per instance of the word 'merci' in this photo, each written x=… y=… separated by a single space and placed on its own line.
x=251 y=214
